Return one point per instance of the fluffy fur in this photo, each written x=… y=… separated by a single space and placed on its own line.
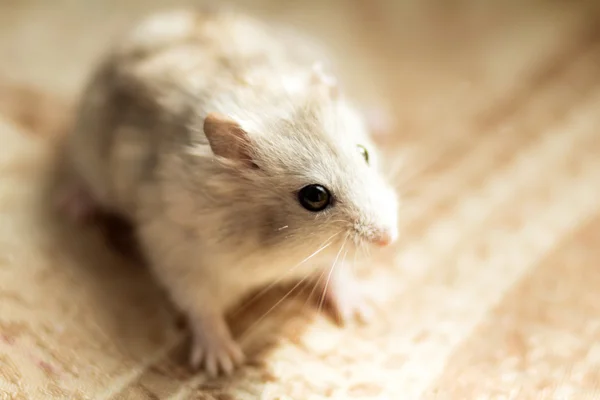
x=216 y=227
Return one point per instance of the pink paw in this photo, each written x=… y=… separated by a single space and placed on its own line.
x=347 y=306
x=344 y=298
x=213 y=348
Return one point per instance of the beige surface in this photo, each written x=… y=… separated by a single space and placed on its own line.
x=493 y=292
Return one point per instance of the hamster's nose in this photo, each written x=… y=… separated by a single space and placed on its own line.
x=386 y=237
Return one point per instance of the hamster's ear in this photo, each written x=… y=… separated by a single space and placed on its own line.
x=227 y=138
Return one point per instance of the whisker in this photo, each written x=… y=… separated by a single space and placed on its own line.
x=354 y=260
x=330 y=273
x=289 y=271
x=318 y=281
x=363 y=250
x=337 y=220
x=257 y=321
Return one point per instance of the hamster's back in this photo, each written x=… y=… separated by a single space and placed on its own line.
x=212 y=51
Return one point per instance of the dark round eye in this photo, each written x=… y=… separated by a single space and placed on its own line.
x=363 y=152
x=314 y=198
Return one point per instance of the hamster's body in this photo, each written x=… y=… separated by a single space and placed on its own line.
x=203 y=129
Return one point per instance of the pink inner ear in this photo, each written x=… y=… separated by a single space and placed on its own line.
x=227 y=139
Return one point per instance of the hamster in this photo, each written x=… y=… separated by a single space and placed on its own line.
x=239 y=161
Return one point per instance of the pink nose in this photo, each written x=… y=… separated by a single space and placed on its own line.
x=385 y=238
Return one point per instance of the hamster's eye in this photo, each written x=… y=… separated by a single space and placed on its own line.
x=363 y=152
x=314 y=198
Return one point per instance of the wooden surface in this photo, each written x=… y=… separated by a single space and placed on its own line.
x=493 y=291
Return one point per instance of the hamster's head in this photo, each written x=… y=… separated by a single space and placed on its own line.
x=311 y=175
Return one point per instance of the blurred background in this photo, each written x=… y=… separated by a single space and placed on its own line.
x=445 y=70
x=493 y=291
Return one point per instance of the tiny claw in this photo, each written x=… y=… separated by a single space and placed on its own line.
x=210 y=366
x=226 y=364
x=364 y=312
x=347 y=311
x=196 y=357
x=213 y=348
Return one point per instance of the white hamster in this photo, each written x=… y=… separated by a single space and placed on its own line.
x=238 y=160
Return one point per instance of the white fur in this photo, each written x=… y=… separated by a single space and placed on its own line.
x=212 y=228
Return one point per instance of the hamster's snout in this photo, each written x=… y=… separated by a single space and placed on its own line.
x=384 y=222
x=385 y=237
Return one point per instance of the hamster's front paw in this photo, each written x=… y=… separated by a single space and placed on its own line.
x=213 y=348
x=345 y=299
